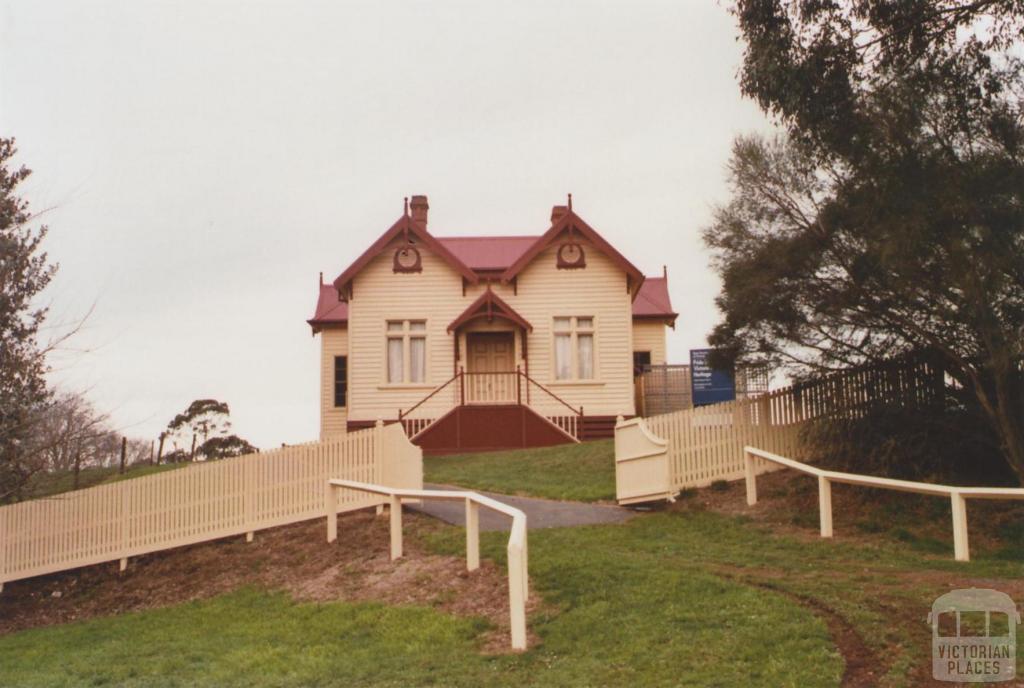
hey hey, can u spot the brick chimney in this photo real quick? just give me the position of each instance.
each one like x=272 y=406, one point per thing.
x=419 y=208
x=557 y=212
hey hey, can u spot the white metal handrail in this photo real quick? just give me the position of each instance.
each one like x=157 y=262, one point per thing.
x=518 y=576
x=957 y=495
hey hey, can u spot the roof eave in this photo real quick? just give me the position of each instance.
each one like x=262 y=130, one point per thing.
x=403 y=223
x=590 y=233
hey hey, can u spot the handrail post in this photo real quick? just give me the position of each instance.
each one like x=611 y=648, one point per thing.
x=751 y=478
x=825 y=506
x=396 y=526
x=330 y=506
x=472 y=535
x=462 y=387
x=961 y=548
x=516 y=598
x=519 y=394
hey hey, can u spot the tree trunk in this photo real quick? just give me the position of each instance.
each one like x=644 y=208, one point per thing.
x=124 y=451
x=160 y=451
x=78 y=466
x=1009 y=421
x=192 y=453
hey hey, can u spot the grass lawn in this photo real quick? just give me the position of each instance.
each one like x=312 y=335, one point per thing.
x=685 y=597
x=694 y=595
x=49 y=484
x=582 y=472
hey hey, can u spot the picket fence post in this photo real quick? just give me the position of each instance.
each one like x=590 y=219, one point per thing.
x=124 y=528
x=4 y=540
x=249 y=498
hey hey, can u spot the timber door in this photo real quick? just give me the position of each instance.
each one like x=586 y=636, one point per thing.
x=490 y=375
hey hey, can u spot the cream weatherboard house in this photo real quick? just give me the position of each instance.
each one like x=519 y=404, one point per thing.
x=487 y=342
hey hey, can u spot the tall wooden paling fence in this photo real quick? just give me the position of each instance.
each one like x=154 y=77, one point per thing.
x=200 y=502
x=660 y=455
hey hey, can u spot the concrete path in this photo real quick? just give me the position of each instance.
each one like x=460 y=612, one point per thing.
x=540 y=513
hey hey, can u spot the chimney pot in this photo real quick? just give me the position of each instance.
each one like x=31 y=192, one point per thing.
x=557 y=212
x=419 y=208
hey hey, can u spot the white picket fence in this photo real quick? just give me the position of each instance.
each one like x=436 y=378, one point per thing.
x=659 y=456
x=200 y=502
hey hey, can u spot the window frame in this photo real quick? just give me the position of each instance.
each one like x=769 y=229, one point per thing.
x=574 y=331
x=405 y=333
x=343 y=382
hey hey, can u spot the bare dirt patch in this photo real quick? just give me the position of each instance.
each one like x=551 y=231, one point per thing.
x=294 y=558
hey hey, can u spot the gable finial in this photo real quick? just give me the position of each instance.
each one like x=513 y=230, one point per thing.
x=570 y=203
x=321 y=278
x=405 y=210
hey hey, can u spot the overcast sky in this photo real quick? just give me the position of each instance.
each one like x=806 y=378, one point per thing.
x=204 y=161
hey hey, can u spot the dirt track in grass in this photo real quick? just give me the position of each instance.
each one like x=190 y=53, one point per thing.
x=788 y=506
x=295 y=558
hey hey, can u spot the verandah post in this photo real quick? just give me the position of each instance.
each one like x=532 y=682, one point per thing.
x=751 y=478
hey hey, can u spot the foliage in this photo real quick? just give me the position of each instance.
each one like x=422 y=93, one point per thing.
x=209 y=421
x=583 y=472
x=943 y=445
x=49 y=483
x=24 y=273
x=891 y=218
x=223 y=447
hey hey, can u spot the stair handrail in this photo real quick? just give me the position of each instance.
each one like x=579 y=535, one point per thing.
x=405 y=414
x=563 y=402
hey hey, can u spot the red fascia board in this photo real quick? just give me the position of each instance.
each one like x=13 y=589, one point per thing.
x=545 y=240
x=403 y=224
x=503 y=310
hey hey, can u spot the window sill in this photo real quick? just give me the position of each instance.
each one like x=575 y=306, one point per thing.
x=406 y=385
x=575 y=383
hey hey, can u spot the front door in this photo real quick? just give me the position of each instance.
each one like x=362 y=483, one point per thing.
x=490 y=373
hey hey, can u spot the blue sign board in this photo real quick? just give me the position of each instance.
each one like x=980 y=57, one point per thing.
x=709 y=385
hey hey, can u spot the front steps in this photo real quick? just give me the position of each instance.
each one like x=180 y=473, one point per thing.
x=480 y=428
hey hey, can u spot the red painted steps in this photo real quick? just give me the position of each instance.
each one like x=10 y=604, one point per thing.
x=480 y=428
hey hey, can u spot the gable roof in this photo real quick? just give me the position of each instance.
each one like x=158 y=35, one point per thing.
x=489 y=306
x=570 y=221
x=504 y=255
x=406 y=226
x=653 y=302
x=330 y=310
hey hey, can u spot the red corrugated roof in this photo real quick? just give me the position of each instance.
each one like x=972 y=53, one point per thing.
x=653 y=300
x=488 y=253
x=329 y=308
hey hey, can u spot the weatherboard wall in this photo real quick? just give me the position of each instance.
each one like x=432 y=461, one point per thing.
x=333 y=342
x=437 y=295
